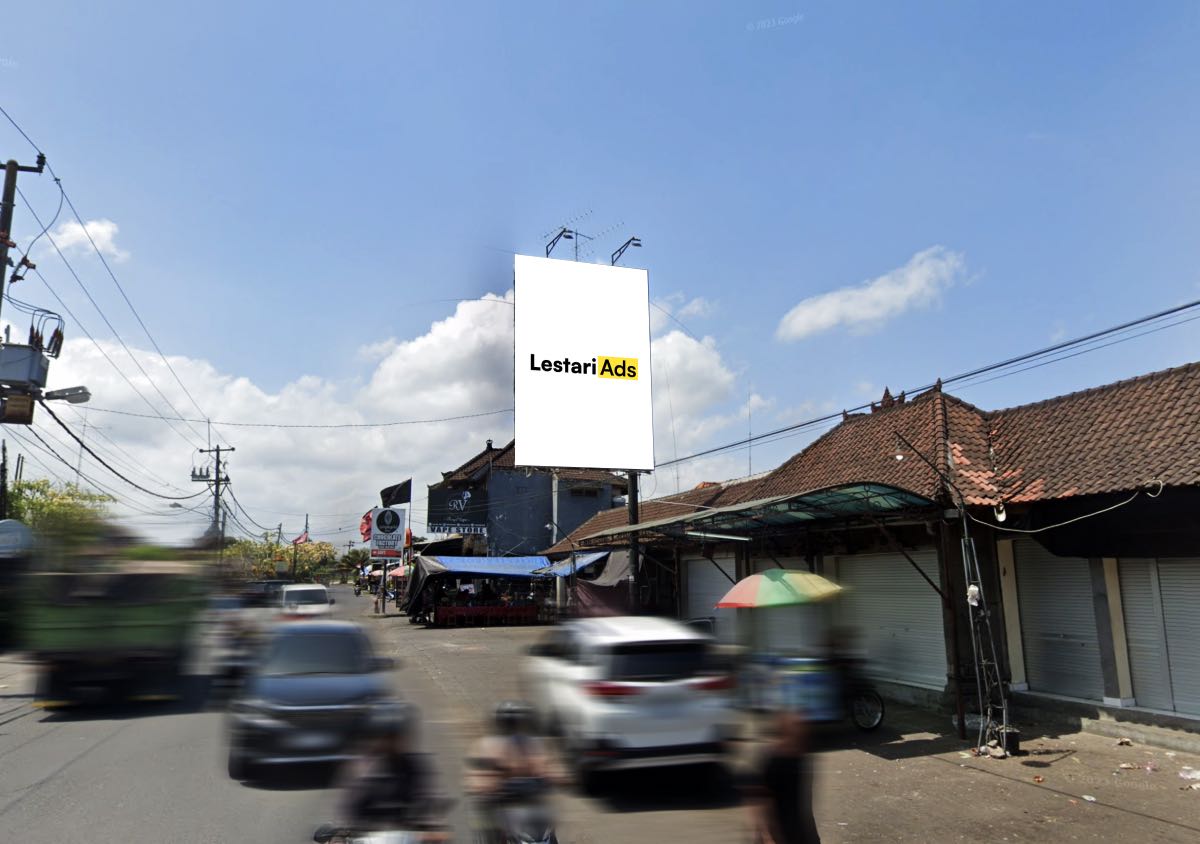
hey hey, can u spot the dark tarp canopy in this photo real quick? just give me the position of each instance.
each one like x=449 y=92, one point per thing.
x=427 y=567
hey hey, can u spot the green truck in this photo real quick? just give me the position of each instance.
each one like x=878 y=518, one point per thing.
x=109 y=628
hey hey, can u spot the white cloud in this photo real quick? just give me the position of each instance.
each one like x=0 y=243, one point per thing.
x=669 y=312
x=462 y=365
x=70 y=236
x=918 y=284
x=698 y=307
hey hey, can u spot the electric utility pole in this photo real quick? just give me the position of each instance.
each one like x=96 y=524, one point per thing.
x=216 y=478
x=7 y=203
x=3 y=479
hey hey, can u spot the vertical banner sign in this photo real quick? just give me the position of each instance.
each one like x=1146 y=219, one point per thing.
x=387 y=533
x=582 y=356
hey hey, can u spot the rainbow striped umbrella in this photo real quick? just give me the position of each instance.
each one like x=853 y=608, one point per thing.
x=779 y=588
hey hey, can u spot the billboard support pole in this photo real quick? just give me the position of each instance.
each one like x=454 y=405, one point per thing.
x=631 y=500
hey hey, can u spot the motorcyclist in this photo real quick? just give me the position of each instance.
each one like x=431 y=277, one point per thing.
x=512 y=752
x=391 y=786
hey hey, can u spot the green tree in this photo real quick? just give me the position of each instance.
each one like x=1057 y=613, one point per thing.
x=63 y=513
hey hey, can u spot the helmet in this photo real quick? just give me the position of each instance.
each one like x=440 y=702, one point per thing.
x=392 y=720
x=512 y=717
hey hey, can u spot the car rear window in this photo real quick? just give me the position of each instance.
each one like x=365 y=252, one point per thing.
x=658 y=661
x=306 y=596
x=317 y=653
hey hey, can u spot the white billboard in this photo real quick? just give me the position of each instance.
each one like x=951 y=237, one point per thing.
x=582 y=374
x=387 y=533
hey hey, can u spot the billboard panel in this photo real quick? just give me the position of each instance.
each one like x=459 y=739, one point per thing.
x=462 y=511
x=582 y=373
x=387 y=532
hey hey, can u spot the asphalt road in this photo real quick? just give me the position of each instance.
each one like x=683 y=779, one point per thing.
x=156 y=772
x=150 y=772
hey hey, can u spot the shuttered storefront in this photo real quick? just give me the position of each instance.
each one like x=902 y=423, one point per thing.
x=795 y=630
x=1161 y=601
x=896 y=614
x=1058 y=623
x=705 y=586
x=1145 y=635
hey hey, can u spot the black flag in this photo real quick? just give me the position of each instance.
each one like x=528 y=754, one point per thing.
x=398 y=494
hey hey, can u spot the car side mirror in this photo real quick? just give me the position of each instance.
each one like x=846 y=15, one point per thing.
x=385 y=663
x=333 y=600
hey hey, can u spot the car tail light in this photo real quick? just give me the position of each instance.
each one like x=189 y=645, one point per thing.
x=605 y=689
x=716 y=684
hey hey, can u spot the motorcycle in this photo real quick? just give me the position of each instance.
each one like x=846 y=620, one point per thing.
x=416 y=834
x=520 y=813
x=357 y=590
x=426 y=824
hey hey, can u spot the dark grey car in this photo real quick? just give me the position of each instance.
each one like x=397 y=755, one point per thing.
x=307 y=697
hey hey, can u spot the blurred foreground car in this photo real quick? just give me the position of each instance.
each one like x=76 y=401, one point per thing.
x=307 y=698
x=305 y=601
x=630 y=693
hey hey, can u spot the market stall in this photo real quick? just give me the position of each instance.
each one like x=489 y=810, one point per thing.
x=455 y=591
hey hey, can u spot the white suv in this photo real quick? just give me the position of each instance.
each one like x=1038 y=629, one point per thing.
x=630 y=693
x=305 y=601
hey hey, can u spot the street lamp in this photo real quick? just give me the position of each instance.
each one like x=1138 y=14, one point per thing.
x=563 y=234
x=633 y=241
x=71 y=395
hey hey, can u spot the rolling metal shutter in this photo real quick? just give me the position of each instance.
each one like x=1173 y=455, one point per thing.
x=1179 y=581
x=795 y=630
x=1145 y=635
x=1058 y=623
x=705 y=586
x=896 y=615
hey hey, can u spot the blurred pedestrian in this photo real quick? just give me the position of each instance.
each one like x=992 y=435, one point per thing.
x=782 y=797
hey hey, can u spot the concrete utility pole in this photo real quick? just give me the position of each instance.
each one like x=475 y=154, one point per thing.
x=7 y=203
x=3 y=479
x=217 y=478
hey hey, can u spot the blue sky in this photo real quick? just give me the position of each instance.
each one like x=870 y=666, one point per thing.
x=293 y=182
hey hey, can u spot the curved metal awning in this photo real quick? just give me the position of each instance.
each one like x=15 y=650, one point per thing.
x=862 y=500
x=573 y=564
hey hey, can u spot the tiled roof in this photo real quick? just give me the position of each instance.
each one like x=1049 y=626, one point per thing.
x=593 y=475
x=863 y=448
x=1115 y=438
x=503 y=458
x=1118 y=437
x=692 y=500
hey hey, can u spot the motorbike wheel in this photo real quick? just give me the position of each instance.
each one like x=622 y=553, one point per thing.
x=866 y=709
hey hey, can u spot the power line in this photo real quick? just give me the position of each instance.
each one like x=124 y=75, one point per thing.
x=117 y=497
x=79 y=219
x=243 y=509
x=106 y=355
x=103 y=316
x=107 y=466
x=149 y=473
x=332 y=425
x=124 y=296
x=770 y=436
x=105 y=490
